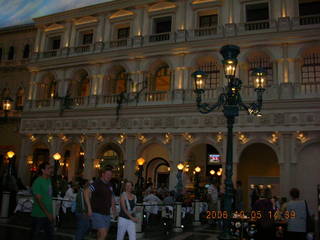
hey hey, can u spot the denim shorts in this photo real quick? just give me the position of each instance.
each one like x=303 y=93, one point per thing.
x=100 y=221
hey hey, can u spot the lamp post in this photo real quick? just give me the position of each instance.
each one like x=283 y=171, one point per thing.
x=231 y=102
x=140 y=162
x=11 y=163
x=179 y=186
x=56 y=157
x=197 y=180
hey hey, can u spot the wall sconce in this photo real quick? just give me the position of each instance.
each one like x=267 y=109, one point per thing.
x=142 y=138
x=219 y=137
x=186 y=169
x=243 y=138
x=121 y=138
x=61 y=164
x=100 y=138
x=274 y=138
x=188 y=137
x=29 y=160
x=97 y=164
x=169 y=169
x=64 y=138
x=302 y=137
x=81 y=153
x=167 y=138
x=212 y=172
x=82 y=139
x=219 y=173
x=32 y=138
x=50 y=137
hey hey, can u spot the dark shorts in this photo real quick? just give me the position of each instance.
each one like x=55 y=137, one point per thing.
x=100 y=221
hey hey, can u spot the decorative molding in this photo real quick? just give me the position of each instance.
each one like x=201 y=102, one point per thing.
x=162 y=6
x=121 y=13
x=85 y=20
x=53 y=27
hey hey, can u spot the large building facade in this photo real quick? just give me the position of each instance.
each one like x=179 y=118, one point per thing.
x=112 y=82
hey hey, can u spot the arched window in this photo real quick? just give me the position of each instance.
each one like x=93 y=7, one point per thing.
x=210 y=67
x=259 y=60
x=20 y=99
x=162 y=79
x=310 y=68
x=26 y=51
x=79 y=85
x=47 y=88
x=11 y=53
x=84 y=86
x=111 y=158
x=121 y=82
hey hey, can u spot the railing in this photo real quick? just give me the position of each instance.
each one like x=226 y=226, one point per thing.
x=42 y=103
x=307 y=89
x=201 y=32
x=80 y=101
x=160 y=37
x=82 y=48
x=158 y=96
x=51 y=53
x=119 y=43
x=311 y=19
x=110 y=99
x=257 y=25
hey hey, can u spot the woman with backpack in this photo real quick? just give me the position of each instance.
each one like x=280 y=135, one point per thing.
x=127 y=219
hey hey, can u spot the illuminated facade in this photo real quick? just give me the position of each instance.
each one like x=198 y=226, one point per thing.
x=84 y=60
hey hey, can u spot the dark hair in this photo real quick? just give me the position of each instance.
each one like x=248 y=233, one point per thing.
x=294 y=193
x=239 y=183
x=42 y=166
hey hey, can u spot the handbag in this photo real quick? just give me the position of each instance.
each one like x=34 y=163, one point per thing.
x=309 y=225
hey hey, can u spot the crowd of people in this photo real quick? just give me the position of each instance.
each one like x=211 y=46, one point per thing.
x=94 y=202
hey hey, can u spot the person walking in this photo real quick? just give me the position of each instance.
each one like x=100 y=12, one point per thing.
x=127 y=218
x=83 y=221
x=99 y=198
x=297 y=226
x=42 y=212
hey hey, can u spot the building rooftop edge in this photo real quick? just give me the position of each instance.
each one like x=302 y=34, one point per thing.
x=16 y=28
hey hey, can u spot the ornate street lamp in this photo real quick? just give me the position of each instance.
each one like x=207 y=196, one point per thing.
x=197 y=180
x=179 y=186
x=140 y=162
x=232 y=103
x=7 y=106
x=56 y=157
x=11 y=163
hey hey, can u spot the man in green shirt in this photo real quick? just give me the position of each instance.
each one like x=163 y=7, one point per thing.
x=42 y=217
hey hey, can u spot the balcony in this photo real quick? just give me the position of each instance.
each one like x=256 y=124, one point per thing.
x=122 y=43
x=160 y=37
x=50 y=54
x=312 y=19
x=258 y=25
x=83 y=49
x=179 y=96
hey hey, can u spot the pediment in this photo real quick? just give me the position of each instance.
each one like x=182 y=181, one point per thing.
x=86 y=19
x=162 y=6
x=53 y=26
x=203 y=1
x=121 y=13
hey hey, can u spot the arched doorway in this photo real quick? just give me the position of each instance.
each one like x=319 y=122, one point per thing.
x=308 y=160
x=40 y=154
x=111 y=156
x=158 y=169
x=72 y=162
x=258 y=166
x=208 y=158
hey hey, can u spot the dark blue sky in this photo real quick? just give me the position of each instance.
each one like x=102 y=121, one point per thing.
x=16 y=12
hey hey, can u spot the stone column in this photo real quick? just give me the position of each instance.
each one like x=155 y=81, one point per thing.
x=73 y=35
x=74 y=161
x=42 y=46
x=89 y=156
x=38 y=39
x=66 y=36
x=196 y=221
x=190 y=25
x=107 y=30
x=145 y=28
x=180 y=16
x=175 y=157
x=177 y=218
x=100 y=28
x=55 y=145
x=287 y=157
x=32 y=86
x=130 y=157
x=23 y=168
x=138 y=21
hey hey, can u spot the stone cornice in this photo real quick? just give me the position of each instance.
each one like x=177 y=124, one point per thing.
x=93 y=9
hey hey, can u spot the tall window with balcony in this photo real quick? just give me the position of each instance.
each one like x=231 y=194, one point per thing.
x=26 y=51
x=120 y=82
x=207 y=24
x=86 y=39
x=47 y=89
x=161 y=29
x=161 y=80
x=11 y=53
x=309 y=12
x=310 y=69
x=20 y=99
x=259 y=60
x=122 y=35
x=53 y=46
x=257 y=16
x=212 y=69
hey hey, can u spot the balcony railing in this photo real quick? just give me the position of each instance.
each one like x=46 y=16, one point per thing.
x=119 y=43
x=257 y=25
x=201 y=32
x=80 y=101
x=160 y=37
x=51 y=53
x=157 y=96
x=312 y=19
x=82 y=48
